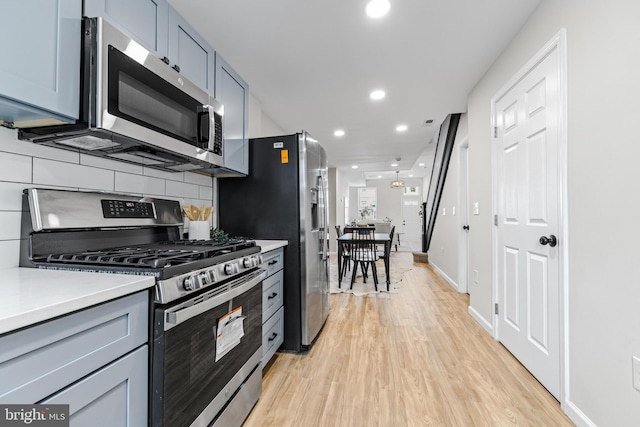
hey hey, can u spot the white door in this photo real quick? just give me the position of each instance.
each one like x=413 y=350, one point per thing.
x=528 y=180
x=411 y=223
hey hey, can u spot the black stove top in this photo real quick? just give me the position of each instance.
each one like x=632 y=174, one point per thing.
x=159 y=259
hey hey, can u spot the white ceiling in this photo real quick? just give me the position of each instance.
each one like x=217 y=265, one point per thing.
x=313 y=63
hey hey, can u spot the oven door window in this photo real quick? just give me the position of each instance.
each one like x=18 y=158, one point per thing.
x=142 y=97
x=191 y=375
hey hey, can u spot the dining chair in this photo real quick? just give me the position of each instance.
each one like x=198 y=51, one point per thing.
x=363 y=252
x=346 y=253
x=387 y=249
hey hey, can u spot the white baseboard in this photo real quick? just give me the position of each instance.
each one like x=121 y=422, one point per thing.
x=444 y=275
x=488 y=326
x=577 y=416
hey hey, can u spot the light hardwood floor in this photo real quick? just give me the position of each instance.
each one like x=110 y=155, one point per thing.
x=413 y=358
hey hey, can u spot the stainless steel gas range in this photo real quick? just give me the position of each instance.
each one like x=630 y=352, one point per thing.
x=207 y=313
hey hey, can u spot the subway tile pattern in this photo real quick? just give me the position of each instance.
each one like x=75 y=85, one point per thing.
x=24 y=164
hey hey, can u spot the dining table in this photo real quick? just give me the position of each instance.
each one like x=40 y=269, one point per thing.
x=378 y=239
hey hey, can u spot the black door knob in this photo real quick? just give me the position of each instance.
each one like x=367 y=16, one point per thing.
x=551 y=240
x=465 y=227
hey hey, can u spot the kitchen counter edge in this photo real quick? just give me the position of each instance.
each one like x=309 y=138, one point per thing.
x=32 y=295
x=269 y=245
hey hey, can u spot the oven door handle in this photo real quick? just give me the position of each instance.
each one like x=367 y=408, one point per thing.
x=185 y=311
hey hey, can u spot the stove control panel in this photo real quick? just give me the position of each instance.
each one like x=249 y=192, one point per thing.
x=200 y=280
x=126 y=209
x=176 y=287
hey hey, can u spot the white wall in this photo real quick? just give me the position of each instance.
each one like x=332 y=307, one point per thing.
x=444 y=250
x=260 y=124
x=24 y=164
x=603 y=202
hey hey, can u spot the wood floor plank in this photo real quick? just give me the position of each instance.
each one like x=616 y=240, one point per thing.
x=412 y=358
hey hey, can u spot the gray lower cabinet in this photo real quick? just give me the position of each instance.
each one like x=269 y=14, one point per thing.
x=114 y=396
x=95 y=360
x=272 y=304
x=40 y=72
x=233 y=92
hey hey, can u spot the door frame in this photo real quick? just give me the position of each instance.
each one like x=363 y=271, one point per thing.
x=559 y=43
x=463 y=216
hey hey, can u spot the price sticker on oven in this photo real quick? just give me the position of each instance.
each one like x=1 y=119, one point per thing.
x=229 y=331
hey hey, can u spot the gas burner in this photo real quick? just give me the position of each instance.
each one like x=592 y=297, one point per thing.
x=140 y=257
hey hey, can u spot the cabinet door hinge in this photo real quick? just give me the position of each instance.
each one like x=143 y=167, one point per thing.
x=495 y=219
x=495 y=131
x=496 y=308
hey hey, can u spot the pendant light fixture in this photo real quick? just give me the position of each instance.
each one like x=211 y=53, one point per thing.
x=397 y=183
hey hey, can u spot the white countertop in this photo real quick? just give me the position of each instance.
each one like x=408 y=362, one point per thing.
x=31 y=295
x=269 y=245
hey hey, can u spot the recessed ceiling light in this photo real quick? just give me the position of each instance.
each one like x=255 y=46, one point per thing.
x=339 y=132
x=401 y=128
x=377 y=8
x=420 y=164
x=354 y=167
x=377 y=94
x=394 y=164
x=410 y=176
x=379 y=176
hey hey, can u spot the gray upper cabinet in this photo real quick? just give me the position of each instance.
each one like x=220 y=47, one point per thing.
x=189 y=53
x=40 y=71
x=144 y=20
x=233 y=92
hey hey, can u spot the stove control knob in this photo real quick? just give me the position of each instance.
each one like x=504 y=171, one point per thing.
x=205 y=279
x=212 y=276
x=248 y=262
x=189 y=283
x=230 y=269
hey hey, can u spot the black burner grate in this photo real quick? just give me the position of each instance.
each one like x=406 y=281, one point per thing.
x=139 y=257
x=157 y=256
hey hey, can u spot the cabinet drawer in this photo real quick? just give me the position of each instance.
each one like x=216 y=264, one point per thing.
x=273 y=260
x=115 y=396
x=271 y=295
x=41 y=360
x=272 y=336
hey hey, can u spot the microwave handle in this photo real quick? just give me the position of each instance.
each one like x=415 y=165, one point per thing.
x=204 y=126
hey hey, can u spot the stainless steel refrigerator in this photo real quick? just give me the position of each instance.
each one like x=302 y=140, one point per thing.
x=284 y=197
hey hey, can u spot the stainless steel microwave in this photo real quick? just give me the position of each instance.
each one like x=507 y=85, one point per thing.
x=136 y=108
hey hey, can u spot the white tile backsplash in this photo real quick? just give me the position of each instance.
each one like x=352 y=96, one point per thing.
x=10 y=229
x=182 y=189
x=206 y=193
x=15 y=167
x=173 y=176
x=24 y=164
x=49 y=172
x=9 y=253
x=126 y=182
x=11 y=196
x=196 y=178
